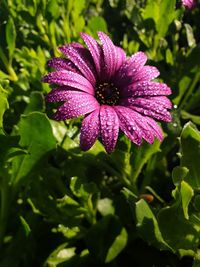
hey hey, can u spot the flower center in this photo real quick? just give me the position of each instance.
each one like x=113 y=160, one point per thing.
x=107 y=94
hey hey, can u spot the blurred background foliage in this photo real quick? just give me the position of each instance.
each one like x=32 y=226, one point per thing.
x=61 y=207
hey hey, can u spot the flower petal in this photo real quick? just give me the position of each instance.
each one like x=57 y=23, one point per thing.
x=156 y=130
x=146 y=73
x=90 y=130
x=161 y=100
x=61 y=94
x=59 y=63
x=128 y=125
x=146 y=89
x=121 y=57
x=95 y=51
x=109 y=127
x=147 y=133
x=130 y=68
x=150 y=108
x=71 y=79
x=109 y=53
x=77 y=104
x=56 y=95
x=81 y=58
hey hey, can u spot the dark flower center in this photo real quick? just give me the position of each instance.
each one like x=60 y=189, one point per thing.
x=107 y=94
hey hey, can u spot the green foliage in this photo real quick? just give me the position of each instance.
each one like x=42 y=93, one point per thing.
x=61 y=207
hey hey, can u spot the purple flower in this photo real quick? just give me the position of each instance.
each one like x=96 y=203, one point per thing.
x=189 y=3
x=111 y=90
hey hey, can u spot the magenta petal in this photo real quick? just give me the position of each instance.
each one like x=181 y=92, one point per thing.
x=95 y=51
x=62 y=64
x=128 y=125
x=109 y=127
x=80 y=56
x=129 y=68
x=189 y=3
x=147 y=133
x=109 y=53
x=121 y=57
x=162 y=101
x=78 y=104
x=146 y=89
x=137 y=60
x=71 y=79
x=133 y=64
x=147 y=73
x=56 y=95
x=64 y=93
x=156 y=130
x=150 y=108
x=90 y=130
x=143 y=128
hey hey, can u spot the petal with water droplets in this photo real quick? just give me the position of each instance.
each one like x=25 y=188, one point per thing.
x=156 y=130
x=90 y=130
x=109 y=54
x=121 y=57
x=109 y=127
x=81 y=58
x=138 y=123
x=146 y=89
x=150 y=108
x=129 y=68
x=161 y=100
x=77 y=104
x=95 y=51
x=69 y=78
x=56 y=95
x=59 y=63
x=128 y=125
x=146 y=73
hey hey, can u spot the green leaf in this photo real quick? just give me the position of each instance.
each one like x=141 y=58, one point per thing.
x=81 y=189
x=9 y=145
x=26 y=226
x=105 y=206
x=36 y=103
x=96 y=24
x=196 y=262
x=3 y=106
x=186 y=196
x=178 y=174
x=53 y=8
x=60 y=254
x=190 y=35
x=179 y=232
x=106 y=239
x=190 y=150
x=78 y=6
x=113 y=3
x=10 y=36
x=141 y=154
x=161 y=12
x=37 y=137
x=169 y=57
x=187 y=116
x=148 y=227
